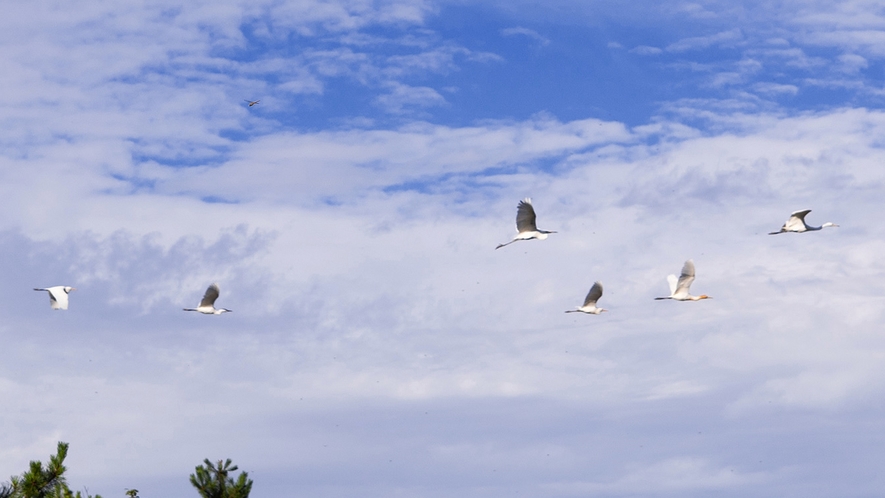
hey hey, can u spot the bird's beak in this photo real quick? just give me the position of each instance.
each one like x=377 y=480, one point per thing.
x=73 y=288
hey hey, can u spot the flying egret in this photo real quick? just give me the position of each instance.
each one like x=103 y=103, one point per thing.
x=252 y=102
x=525 y=224
x=207 y=305
x=796 y=223
x=679 y=288
x=590 y=301
x=58 y=296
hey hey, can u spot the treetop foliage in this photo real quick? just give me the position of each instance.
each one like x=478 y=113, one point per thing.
x=39 y=481
x=212 y=480
x=43 y=482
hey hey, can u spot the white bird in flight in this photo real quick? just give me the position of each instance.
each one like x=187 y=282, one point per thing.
x=796 y=223
x=679 y=287
x=590 y=301
x=525 y=224
x=207 y=305
x=58 y=296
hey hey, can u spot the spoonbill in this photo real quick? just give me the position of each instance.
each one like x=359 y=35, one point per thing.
x=590 y=301
x=207 y=305
x=252 y=102
x=525 y=224
x=796 y=223
x=58 y=296
x=679 y=288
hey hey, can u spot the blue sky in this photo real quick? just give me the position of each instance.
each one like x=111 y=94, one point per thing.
x=379 y=345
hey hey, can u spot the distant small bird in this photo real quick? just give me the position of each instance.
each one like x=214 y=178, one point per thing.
x=252 y=102
x=590 y=301
x=207 y=305
x=679 y=288
x=525 y=224
x=796 y=223
x=58 y=296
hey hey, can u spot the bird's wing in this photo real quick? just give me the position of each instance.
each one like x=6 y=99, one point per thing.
x=671 y=279
x=594 y=294
x=525 y=217
x=686 y=278
x=797 y=220
x=58 y=298
x=210 y=296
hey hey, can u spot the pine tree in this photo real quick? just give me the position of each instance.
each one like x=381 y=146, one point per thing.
x=212 y=481
x=40 y=482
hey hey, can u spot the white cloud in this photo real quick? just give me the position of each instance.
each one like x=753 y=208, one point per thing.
x=645 y=50
x=519 y=30
x=699 y=42
x=853 y=63
x=402 y=97
x=769 y=88
x=399 y=297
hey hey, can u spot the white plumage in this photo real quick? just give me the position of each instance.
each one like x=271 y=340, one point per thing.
x=679 y=286
x=58 y=296
x=525 y=224
x=796 y=223
x=207 y=305
x=590 y=301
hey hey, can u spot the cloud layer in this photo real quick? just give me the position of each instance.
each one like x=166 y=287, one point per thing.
x=379 y=345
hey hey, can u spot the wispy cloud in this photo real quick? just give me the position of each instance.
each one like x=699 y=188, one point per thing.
x=775 y=88
x=700 y=42
x=645 y=50
x=400 y=98
x=530 y=33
